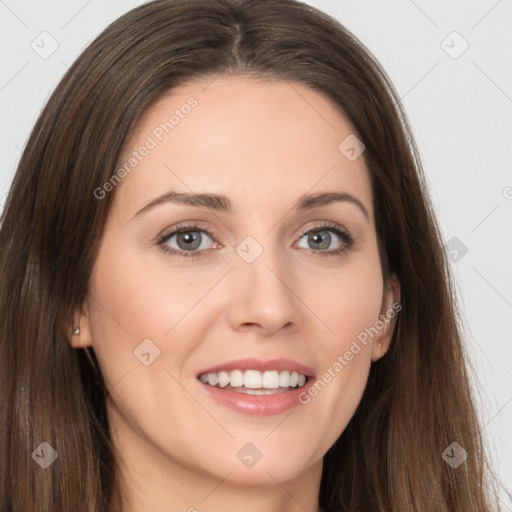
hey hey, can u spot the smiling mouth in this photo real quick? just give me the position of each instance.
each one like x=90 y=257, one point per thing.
x=254 y=382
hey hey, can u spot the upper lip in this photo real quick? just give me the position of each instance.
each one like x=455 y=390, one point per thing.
x=261 y=365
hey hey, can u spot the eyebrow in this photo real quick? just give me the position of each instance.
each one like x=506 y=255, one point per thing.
x=222 y=203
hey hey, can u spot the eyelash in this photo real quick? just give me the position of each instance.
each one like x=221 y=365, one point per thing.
x=340 y=232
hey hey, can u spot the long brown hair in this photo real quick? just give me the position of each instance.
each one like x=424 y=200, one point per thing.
x=418 y=398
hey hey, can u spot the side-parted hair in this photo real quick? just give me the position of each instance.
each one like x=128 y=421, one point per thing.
x=418 y=399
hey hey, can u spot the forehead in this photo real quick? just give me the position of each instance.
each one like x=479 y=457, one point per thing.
x=249 y=139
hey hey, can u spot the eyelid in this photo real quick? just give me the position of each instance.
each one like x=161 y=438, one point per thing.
x=188 y=225
x=318 y=225
x=341 y=232
x=345 y=236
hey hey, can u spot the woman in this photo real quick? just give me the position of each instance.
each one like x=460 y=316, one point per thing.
x=223 y=286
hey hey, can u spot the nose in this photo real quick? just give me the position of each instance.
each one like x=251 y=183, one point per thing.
x=265 y=295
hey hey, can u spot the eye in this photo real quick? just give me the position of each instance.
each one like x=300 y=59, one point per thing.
x=190 y=241
x=320 y=240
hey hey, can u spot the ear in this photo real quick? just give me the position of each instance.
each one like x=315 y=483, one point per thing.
x=387 y=317
x=80 y=336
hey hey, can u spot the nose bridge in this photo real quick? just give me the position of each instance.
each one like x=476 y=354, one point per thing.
x=263 y=286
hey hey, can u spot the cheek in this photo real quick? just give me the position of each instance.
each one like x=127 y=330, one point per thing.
x=142 y=306
x=350 y=301
x=138 y=322
x=131 y=311
x=135 y=299
x=350 y=307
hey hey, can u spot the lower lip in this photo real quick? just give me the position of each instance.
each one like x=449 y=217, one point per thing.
x=258 y=405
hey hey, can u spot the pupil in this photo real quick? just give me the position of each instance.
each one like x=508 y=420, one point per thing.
x=318 y=238
x=191 y=240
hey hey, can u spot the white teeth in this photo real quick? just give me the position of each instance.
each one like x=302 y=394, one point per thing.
x=236 y=378
x=261 y=391
x=213 y=379
x=284 y=379
x=270 y=380
x=254 y=380
x=223 y=379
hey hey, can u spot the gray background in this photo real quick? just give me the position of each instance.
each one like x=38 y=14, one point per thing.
x=460 y=110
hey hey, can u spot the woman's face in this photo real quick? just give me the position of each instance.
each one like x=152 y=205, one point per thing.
x=286 y=279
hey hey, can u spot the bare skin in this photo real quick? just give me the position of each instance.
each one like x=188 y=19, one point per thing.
x=263 y=145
